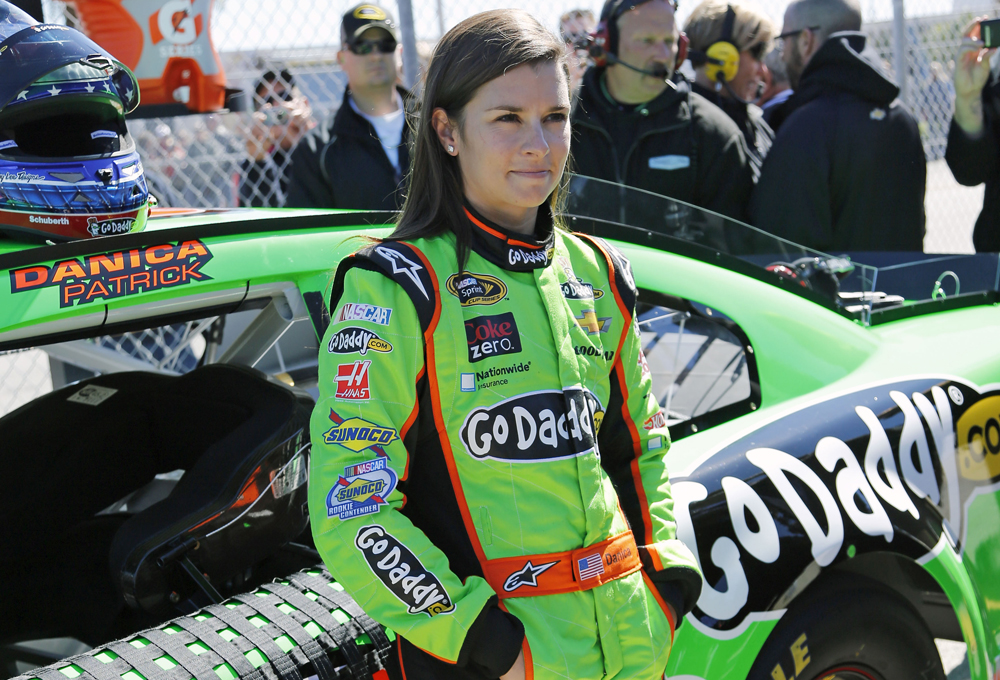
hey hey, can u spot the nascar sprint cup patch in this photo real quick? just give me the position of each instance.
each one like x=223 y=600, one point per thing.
x=402 y=573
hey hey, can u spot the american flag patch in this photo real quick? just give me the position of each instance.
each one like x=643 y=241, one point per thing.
x=590 y=566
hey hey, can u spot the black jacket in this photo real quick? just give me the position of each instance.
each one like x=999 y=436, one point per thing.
x=345 y=166
x=750 y=120
x=678 y=145
x=847 y=168
x=974 y=161
x=264 y=183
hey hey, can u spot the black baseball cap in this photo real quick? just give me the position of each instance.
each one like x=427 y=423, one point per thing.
x=360 y=18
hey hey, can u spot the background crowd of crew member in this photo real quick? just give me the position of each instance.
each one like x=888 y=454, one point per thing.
x=803 y=135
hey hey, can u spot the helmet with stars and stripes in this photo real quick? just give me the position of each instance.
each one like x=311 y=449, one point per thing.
x=68 y=167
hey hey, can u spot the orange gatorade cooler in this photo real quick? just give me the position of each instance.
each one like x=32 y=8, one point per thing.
x=166 y=43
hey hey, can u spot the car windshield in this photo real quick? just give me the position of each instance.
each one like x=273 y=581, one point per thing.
x=857 y=283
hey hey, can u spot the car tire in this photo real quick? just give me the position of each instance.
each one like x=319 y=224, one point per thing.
x=849 y=628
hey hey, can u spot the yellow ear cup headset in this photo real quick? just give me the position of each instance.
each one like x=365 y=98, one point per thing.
x=722 y=58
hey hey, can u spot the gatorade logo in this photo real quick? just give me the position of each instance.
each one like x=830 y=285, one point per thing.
x=177 y=22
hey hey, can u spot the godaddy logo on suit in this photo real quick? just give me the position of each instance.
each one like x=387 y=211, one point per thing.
x=543 y=425
x=402 y=573
x=353 y=339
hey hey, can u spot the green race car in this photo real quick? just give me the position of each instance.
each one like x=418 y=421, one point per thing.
x=834 y=465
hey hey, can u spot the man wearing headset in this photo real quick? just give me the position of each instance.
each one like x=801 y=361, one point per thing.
x=633 y=125
x=728 y=44
x=847 y=170
x=359 y=162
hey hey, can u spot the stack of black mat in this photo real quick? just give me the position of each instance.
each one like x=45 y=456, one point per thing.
x=300 y=628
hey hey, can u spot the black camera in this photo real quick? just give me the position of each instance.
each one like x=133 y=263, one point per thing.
x=989 y=32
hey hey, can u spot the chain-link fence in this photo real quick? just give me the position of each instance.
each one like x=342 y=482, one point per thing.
x=219 y=160
x=216 y=159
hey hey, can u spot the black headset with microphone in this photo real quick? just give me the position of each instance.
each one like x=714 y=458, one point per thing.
x=602 y=44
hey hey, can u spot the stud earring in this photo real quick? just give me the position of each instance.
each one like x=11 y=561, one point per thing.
x=451 y=149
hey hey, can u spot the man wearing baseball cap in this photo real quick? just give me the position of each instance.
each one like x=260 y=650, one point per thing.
x=360 y=161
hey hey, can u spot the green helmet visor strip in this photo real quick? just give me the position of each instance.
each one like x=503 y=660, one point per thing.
x=332 y=629
x=45 y=51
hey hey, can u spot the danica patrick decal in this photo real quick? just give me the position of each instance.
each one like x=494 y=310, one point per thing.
x=398 y=568
x=362 y=490
x=872 y=470
x=115 y=274
x=358 y=434
x=543 y=425
x=476 y=289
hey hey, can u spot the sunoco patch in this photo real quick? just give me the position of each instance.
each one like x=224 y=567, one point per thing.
x=362 y=490
x=358 y=434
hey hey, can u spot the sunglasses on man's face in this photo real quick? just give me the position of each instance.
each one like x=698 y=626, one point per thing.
x=278 y=97
x=363 y=47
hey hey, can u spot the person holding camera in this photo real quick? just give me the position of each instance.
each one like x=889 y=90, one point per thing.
x=281 y=118
x=973 y=153
x=360 y=161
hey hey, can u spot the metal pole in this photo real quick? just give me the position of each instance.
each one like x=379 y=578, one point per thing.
x=440 y=9
x=899 y=62
x=411 y=63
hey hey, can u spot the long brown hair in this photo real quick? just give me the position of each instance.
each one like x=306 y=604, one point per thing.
x=471 y=54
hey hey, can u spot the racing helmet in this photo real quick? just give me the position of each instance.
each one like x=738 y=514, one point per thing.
x=68 y=167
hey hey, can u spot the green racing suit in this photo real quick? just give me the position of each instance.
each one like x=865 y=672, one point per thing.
x=497 y=420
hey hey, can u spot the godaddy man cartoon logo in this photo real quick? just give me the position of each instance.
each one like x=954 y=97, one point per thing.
x=109 y=227
x=111 y=275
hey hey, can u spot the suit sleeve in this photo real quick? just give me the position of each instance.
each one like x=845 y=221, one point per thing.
x=307 y=186
x=792 y=197
x=370 y=365
x=633 y=440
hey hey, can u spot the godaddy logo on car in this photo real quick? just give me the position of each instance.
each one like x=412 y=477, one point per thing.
x=544 y=425
x=353 y=339
x=402 y=573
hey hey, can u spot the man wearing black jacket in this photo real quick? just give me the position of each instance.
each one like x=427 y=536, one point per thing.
x=973 y=152
x=360 y=161
x=636 y=127
x=847 y=169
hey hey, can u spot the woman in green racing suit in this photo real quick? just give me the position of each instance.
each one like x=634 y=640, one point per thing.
x=488 y=477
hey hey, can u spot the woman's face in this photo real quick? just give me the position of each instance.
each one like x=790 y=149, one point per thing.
x=513 y=143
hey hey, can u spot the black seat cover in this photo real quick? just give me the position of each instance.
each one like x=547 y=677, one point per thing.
x=67 y=461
